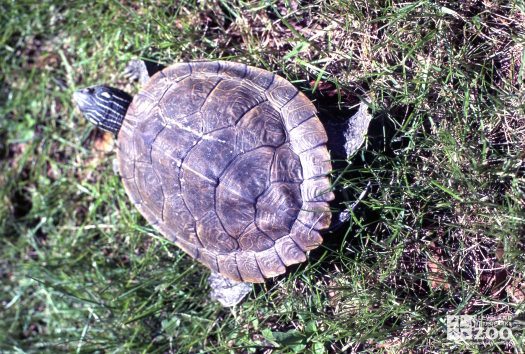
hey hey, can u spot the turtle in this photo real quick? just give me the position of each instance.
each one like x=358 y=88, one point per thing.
x=227 y=160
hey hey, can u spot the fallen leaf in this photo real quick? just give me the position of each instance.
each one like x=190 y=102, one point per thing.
x=516 y=291
x=104 y=142
x=437 y=277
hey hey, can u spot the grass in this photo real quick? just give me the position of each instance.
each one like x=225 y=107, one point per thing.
x=440 y=232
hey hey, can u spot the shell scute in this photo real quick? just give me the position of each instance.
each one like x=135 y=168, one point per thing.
x=284 y=198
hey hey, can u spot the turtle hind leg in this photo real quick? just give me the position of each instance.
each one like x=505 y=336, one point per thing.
x=141 y=70
x=342 y=217
x=226 y=291
x=345 y=137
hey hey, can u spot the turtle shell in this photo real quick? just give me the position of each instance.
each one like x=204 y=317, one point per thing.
x=229 y=162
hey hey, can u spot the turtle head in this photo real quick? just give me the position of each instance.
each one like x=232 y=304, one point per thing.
x=103 y=106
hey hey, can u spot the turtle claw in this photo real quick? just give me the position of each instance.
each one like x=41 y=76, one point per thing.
x=226 y=291
x=136 y=71
x=345 y=215
x=141 y=70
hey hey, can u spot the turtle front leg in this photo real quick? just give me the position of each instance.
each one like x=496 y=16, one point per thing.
x=226 y=291
x=141 y=70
